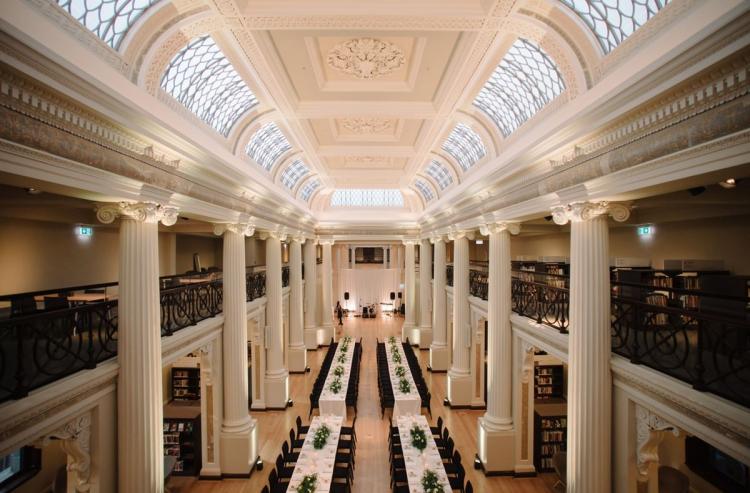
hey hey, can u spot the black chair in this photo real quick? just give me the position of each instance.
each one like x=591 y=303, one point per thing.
x=294 y=442
x=437 y=431
x=301 y=430
x=55 y=303
x=469 y=488
x=457 y=481
x=289 y=456
x=25 y=305
x=284 y=471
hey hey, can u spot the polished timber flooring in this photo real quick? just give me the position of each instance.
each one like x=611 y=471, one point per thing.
x=372 y=473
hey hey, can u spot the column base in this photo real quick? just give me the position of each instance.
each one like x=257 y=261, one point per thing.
x=496 y=449
x=311 y=338
x=459 y=388
x=440 y=358
x=425 y=337
x=407 y=332
x=239 y=450
x=297 y=359
x=277 y=390
x=325 y=334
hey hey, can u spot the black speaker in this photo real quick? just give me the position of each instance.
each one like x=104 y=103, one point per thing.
x=399 y=295
x=346 y=295
x=393 y=295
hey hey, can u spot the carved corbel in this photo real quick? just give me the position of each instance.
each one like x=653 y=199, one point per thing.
x=75 y=441
x=650 y=431
x=527 y=363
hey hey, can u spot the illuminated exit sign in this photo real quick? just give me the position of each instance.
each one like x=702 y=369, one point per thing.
x=645 y=230
x=85 y=231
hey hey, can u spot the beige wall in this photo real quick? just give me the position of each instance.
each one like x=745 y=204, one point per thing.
x=721 y=238
x=52 y=459
x=255 y=251
x=209 y=248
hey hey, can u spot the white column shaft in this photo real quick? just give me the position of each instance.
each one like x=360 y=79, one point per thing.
x=311 y=285
x=327 y=291
x=461 y=329
x=274 y=317
x=139 y=389
x=425 y=274
x=296 y=326
x=410 y=285
x=590 y=383
x=439 y=333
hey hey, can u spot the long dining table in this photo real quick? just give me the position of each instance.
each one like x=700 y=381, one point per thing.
x=405 y=403
x=319 y=462
x=330 y=402
x=418 y=462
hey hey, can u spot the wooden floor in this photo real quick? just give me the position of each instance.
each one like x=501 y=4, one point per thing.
x=372 y=473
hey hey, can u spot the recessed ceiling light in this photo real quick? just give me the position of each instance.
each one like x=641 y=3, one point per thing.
x=728 y=183
x=33 y=191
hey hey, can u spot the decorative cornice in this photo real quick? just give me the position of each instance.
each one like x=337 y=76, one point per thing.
x=366 y=58
x=147 y=212
x=584 y=211
x=244 y=229
x=369 y=22
x=492 y=228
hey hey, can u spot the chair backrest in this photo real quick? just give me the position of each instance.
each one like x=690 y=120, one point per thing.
x=440 y=424
x=299 y=424
x=456 y=457
x=469 y=488
x=273 y=478
x=55 y=303
x=265 y=490
x=22 y=306
x=291 y=436
x=280 y=462
x=285 y=449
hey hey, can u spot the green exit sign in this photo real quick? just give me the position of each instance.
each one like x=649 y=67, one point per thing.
x=85 y=231
x=645 y=230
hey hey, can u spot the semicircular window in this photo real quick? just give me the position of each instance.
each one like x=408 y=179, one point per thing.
x=439 y=173
x=308 y=189
x=201 y=78
x=424 y=189
x=522 y=84
x=613 y=21
x=465 y=145
x=291 y=175
x=367 y=197
x=110 y=20
x=267 y=145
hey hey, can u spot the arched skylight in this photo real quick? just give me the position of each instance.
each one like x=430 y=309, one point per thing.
x=202 y=79
x=424 y=189
x=309 y=188
x=267 y=145
x=291 y=175
x=440 y=173
x=522 y=84
x=465 y=146
x=108 y=19
x=367 y=197
x=614 y=20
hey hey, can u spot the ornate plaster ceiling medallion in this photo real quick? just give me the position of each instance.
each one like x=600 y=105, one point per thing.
x=363 y=126
x=366 y=58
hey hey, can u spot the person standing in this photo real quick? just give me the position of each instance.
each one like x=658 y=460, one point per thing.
x=340 y=313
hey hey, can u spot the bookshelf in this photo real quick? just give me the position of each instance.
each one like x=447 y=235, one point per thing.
x=548 y=382
x=550 y=434
x=182 y=438
x=186 y=384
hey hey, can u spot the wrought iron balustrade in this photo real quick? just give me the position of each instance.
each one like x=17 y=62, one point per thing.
x=449 y=275
x=544 y=303
x=255 y=284
x=285 y=276
x=187 y=305
x=478 y=284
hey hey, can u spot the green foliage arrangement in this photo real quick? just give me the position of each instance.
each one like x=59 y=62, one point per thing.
x=321 y=437
x=400 y=371
x=338 y=371
x=335 y=386
x=418 y=438
x=404 y=386
x=430 y=482
x=309 y=484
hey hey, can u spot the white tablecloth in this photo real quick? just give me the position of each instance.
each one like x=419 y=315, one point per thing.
x=404 y=403
x=335 y=404
x=320 y=462
x=418 y=462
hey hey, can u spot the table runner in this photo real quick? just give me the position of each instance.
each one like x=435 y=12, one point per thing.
x=418 y=462
x=329 y=402
x=405 y=403
x=320 y=462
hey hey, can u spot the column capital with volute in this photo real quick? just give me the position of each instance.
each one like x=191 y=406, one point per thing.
x=410 y=241
x=244 y=229
x=148 y=212
x=457 y=234
x=491 y=228
x=326 y=241
x=435 y=238
x=584 y=211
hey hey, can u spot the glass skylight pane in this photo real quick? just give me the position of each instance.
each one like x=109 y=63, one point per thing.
x=522 y=84
x=108 y=19
x=202 y=79
x=367 y=197
x=309 y=188
x=440 y=173
x=291 y=175
x=465 y=146
x=424 y=189
x=267 y=145
x=613 y=21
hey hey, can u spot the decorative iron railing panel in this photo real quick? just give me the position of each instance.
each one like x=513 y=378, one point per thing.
x=40 y=348
x=546 y=304
x=285 y=276
x=255 y=283
x=449 y=275
x=187 y=305
x=478 y=284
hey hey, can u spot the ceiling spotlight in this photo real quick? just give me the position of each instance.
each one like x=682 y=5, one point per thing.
x=695 y=191
x=33 y=191
x=728 y=183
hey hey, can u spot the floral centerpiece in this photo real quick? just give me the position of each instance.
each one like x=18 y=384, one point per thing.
x=392 y=340
x=418 y=438
x=308 y=484
x=338 y=371
x=335 y=386
x=431 y=483
x=400 y=371
x=321 y=437
x=341 y=358
x=396 y=357
x=403 y=386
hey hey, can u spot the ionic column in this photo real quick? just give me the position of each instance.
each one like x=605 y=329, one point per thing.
x=589 y=380
x=410 y=294
x=239 y=447
x=440 y=354
x=139 y=383
x=496 y=426
x=459 y=376
x=425 y=298
x=326 y=329
x=277 y=376
x=297 y=349
x=311 y=295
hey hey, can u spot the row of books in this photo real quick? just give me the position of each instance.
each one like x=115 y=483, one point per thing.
x=178 y=426
x=548 y=450
x=553 y=435
x=559 y=422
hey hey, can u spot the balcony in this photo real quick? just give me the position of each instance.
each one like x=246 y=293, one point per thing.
x=38 y=347
x=708 y=350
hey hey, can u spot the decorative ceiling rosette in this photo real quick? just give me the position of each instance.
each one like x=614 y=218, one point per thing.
x=366 y=58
